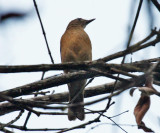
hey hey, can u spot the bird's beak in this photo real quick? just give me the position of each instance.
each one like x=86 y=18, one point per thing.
x=88 y=21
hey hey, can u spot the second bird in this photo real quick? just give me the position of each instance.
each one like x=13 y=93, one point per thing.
x=75 y=47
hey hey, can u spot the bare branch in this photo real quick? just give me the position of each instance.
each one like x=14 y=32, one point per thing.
x=49 y=52
x=89 y=92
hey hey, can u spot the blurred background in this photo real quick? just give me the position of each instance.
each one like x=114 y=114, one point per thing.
x=22 y=43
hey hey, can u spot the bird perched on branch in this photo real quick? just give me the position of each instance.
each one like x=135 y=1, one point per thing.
x=75 y=47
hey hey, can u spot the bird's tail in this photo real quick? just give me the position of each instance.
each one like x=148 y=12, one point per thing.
x=77 y=111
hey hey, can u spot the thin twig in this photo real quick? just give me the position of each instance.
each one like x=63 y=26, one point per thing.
x=27 y=119
x=102 y=114
x=18 y=104
x=32 y=129
x=157 y=5
x=14 y=120
x=133 y=27
x=5 y=130
x=119 y=114
x=131 y=125
x=80 y=126
x=134 y=48
x=130 y=38
x=43 y=31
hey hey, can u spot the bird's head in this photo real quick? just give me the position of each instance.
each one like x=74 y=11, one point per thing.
x=79 y=22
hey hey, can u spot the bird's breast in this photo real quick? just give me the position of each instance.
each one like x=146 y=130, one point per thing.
x=75 y=46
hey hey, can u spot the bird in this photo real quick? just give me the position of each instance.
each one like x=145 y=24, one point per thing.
x=75 y=46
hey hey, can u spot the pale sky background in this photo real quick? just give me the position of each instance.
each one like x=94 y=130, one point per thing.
x=22 y=43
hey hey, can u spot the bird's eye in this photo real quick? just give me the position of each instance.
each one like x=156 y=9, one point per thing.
x=79 y=19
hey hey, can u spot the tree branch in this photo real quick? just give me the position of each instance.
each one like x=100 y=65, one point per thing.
x=89 y=92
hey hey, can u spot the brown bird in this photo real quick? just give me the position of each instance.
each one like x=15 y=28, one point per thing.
x=75 y=47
